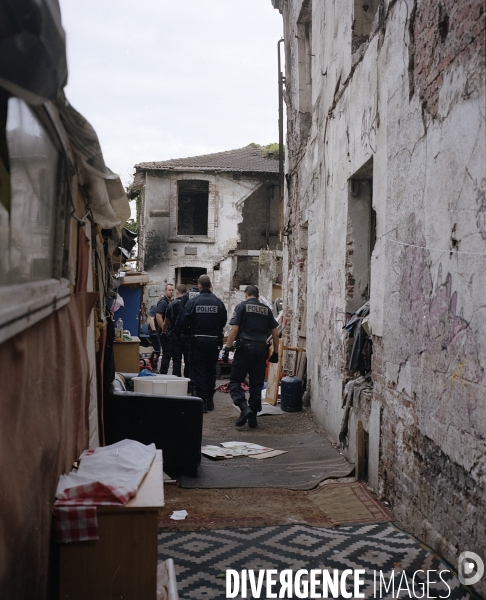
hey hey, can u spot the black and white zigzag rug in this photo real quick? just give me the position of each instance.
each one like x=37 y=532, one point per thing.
x=202 y=558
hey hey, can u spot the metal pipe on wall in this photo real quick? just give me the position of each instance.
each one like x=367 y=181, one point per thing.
x=281 y=81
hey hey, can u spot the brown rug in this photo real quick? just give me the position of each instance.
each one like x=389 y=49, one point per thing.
x=330 y=505
x=233 y=508
x=349 y=503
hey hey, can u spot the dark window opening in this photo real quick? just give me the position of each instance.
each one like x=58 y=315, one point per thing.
x=360 y=242
x=362 y=453
x=246 y=272
x=364 y=15
x=192 y=207
x=189 y=275
x=360 y=238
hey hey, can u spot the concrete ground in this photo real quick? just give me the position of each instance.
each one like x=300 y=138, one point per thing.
x=244 y=506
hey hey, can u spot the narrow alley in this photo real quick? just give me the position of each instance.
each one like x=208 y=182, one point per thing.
x=242 y=315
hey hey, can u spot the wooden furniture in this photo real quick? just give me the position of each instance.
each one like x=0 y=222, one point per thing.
x=122 y=563
x=127 y=356
x=275 y=371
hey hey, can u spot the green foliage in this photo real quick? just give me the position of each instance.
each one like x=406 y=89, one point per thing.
x=132 y=225
x=269 y=150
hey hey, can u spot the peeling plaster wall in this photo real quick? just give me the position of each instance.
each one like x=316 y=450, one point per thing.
x=237 y=215
x=413 y=99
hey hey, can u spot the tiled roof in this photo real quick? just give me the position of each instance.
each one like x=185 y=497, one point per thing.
x=242 y=160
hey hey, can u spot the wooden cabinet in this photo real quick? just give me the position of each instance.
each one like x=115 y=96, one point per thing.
x=122 y=563
x=127 y=356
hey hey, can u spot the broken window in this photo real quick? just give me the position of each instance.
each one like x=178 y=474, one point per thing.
x=246 y=272
x=192 y=207
x=189 y=275
x=364 y=15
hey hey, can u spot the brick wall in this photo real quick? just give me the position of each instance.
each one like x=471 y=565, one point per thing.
x=428 y=492
x=441 y=34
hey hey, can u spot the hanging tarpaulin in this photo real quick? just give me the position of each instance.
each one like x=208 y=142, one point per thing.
x=107 y=197
x=33 y=62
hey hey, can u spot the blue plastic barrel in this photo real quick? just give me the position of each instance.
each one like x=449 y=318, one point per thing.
x=291 y=394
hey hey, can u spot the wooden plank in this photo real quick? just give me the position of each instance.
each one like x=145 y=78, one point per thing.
x=301 y=366
x=273 y=377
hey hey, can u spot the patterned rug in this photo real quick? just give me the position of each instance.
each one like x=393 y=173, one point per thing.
x=349 y=503
x=329 y=505
x=201 y=558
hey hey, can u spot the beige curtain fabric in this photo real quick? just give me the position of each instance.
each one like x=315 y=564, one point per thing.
x=44 y=416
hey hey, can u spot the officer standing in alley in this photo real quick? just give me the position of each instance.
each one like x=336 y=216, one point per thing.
x=154 y=331
x=250 y=325
x=161 y=311
x=170 y=326
x=204 y=317
x=185 y=339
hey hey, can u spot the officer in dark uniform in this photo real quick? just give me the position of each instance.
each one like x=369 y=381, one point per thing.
x=154 y=330
x=250 y=324
x=161 y=312
x=189 y=295
x=184 y=337
x=170 y=324
x=204 y=317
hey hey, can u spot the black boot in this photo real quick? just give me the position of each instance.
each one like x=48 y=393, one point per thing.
x=210 y=404
x=252 y=420
x=205 y=405
x=245 y=413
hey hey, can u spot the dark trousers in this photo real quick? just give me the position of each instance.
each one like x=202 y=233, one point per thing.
x=249 y=360
x=204 y=356
x=166 y=353
x=177 y=350
x=186 y=351
x=155 y=342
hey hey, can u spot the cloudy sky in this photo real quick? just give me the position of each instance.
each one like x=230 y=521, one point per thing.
x=162 y=79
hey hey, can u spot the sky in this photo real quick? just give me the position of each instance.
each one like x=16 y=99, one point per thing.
x=161 y=79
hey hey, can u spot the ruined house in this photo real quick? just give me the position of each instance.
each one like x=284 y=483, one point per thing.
x=385 y=201
x=216 y=214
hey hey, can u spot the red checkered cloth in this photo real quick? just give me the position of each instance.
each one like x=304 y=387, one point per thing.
x=75 y=523
x=75 y=517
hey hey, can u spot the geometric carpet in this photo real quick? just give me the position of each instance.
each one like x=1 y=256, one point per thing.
x=202 y=557
x=309 y=459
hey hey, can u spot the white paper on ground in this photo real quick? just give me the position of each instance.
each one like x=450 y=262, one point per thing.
x=179 y=515
x=123 y=464
x=234 y=449
x=268 y=454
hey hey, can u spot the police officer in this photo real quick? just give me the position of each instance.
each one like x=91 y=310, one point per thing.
x=185 y=339
x=204 y=316
x=160 y=314
x=170 y=324
x=154 y=331
x=189 y=295
x=250 y=325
